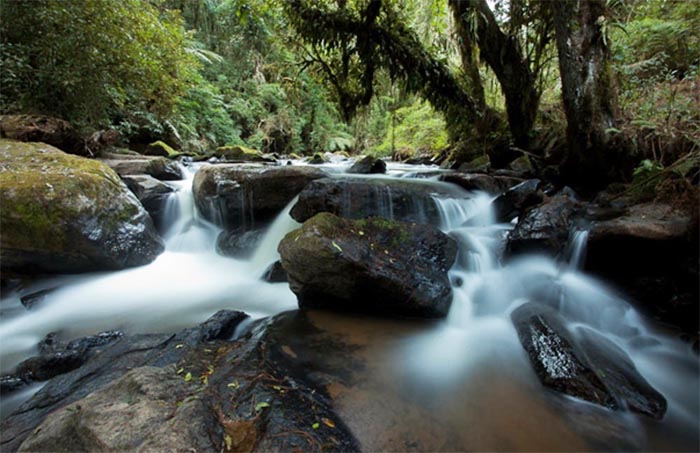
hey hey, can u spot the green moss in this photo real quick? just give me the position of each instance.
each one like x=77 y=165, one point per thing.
x=42 y=188
x=238 y=152
x=161 y=148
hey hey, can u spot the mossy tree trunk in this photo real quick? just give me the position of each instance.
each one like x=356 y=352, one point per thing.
x=587 y=92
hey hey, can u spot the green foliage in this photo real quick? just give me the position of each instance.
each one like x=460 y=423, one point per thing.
x=90 y=60
x=418 y=130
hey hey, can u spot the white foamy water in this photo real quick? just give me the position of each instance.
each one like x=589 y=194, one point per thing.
x=183 y=286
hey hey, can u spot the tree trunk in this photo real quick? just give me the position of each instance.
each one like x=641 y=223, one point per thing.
x=588 y=96
x=503 y=55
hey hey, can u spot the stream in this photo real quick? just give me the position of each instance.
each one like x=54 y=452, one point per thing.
x=468 y=370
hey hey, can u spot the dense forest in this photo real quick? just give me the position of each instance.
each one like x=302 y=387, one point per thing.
x=349 y=225
x=602 y=92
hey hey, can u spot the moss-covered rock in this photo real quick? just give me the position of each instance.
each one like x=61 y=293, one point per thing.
x=317 y=159
x=239 y=153
x=160 y=148
x=45 y=129
x=372 y=265
x=62 y=213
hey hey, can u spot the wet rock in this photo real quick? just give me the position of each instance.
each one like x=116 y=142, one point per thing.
x=517 y=199
x=57 y=358
x=493 y=185
x=39 y=128
x=65 y=214
x=245 y=395
x=368 y=165
x=651 y=252
x=112 y=362
x=31 y=301
x=583 y=364
x=620 y=375
x=248 y=196
x=158 y=167
x=372 y=266
x=239 y=243
x=144 y=409
x=358 y=198
x=554 y=356
x=545 y=228
x=152 y=194
x=10 y=383
x=275 y=273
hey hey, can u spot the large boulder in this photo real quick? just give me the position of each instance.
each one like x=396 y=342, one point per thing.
x=247 y=196
x=586 y=365
x=158 y=167
x=372 y=265
x=359 y=198
x=152 y=194
x=39 y=128
x=63 y=213
x=160 y=148
x=368 y=165
x=651 y=251
x=545 y=228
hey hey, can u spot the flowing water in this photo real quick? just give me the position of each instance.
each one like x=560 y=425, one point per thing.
x=467 y=366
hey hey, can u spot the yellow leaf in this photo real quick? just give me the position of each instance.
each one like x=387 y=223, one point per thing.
x=188 y=377
x=228 y=441
x=328 y=422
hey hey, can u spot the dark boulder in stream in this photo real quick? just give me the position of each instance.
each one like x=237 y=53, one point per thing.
x=583 y=363
x=63 y=213
x=193 y=390
x=483 y=182
x=247 y=196
x=372 y=266
x=368 y=165
x=517 y=199
x=545 y=228
x=359 y=198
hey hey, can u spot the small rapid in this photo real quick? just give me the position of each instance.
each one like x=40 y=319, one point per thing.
x=183 y=286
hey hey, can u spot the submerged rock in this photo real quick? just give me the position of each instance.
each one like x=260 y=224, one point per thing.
x=152 y=194
x=586 y=366
x=372 y=265
x=39 y=128
x=248 y=196
x=368 y=165
x=63 y=213
x=545 y=228
x=359 y=198
x=239 y=243
x=158 y=167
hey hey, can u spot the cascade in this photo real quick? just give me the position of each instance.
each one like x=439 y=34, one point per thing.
x=190 y=281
